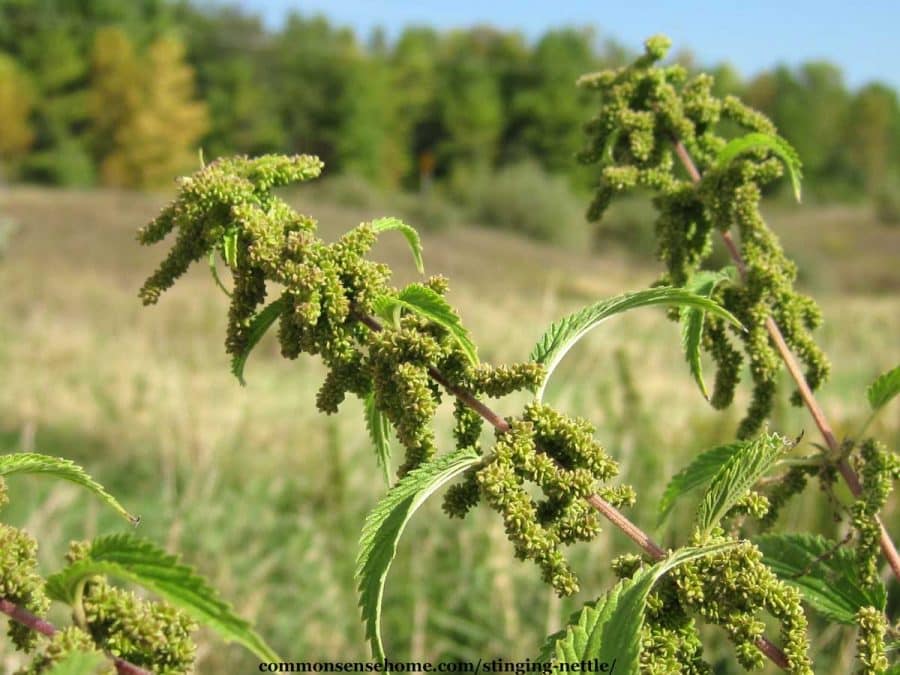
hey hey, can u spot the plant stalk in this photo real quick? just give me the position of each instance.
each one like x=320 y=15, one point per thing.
x=809 y=399
x=607 y=510
x=39 y=625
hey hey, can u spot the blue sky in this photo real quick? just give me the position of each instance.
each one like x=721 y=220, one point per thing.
x=752 y=35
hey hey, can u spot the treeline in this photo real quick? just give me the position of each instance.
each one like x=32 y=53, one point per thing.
x=124 y=93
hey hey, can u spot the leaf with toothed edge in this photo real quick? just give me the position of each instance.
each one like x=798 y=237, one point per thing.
x=259 y=324
x=430 y=304
x=408 y=232
x=35 y=463
x=565 y=333
x=378 y=427
x=774 y=144
x=737 y=476
x=385 y=524
x=702 y=283
x=609 y=629
x=699 y=472
x=884 y=388
x=142 y=562
x=825 y=572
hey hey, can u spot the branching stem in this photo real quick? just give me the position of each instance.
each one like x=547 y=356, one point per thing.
x=809 y=399
x=46 y=628
x=607 y=510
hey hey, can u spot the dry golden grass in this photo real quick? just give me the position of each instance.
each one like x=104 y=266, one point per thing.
x=266 y=496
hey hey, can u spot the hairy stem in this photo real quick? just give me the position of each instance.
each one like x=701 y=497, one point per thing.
x=809 y=399
x=607 y=510
x=43 y=627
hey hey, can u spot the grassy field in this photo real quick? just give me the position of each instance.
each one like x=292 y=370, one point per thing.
x=266 y=496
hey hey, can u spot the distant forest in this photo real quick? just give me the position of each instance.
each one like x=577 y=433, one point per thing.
x=102 y=92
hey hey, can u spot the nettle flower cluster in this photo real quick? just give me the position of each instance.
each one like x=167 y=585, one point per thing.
x=109 y=621
x=732 y=589
x=329 y=293
x=879 y=468
x=646 y=108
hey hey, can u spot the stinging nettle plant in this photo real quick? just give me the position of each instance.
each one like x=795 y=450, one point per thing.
x=112 y=630
x=402 y=350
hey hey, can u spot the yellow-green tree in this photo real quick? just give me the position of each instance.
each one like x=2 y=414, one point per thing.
x=16 y=134
x=145 y=110
x=872 y=127
x=115 y=98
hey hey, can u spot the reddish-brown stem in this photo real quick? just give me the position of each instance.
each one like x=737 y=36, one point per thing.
x=636 y=534
x=809 y=399
x=607 y=510
x=39 y=625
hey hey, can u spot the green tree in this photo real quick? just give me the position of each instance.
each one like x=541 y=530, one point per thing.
x=412 y=70
x=547 y=115
x=59 y=70
x=470 y=98
x=231 y=52
x=17 y=135
x=871 y=134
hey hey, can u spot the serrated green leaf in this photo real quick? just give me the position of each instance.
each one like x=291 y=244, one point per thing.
x=230 y=248
x=699 y=472
x=585 y=628
x=379 y=428
x=702 y=283
x=565 y=333
x=258 y=327
x=610 y=628
x=385 y=524
x=215 y=273
x=32 y=462
x=408 y=232
x=426 y=302
x=774 y=144
x=77 y=663
x=884 y=388
x=737 y=476
x=142 y=562
x=825 y=573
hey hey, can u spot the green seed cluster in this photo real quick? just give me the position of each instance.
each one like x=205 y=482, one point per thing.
x=752 y=503
x=327 y=293
x=20 y=582
x=645 y=108
x=559 y=455
x=150 y=634
x=326 y=289
x=732 y=589
x=879 y=469
x=870 y=651
x=670 y=642
x=63 y=643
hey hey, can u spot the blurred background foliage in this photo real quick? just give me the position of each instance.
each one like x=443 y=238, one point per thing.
x=124 y=93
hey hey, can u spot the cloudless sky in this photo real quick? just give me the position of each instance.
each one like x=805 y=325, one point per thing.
x=752 y=35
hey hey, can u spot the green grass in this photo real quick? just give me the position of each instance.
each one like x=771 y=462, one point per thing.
x=266 y=496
